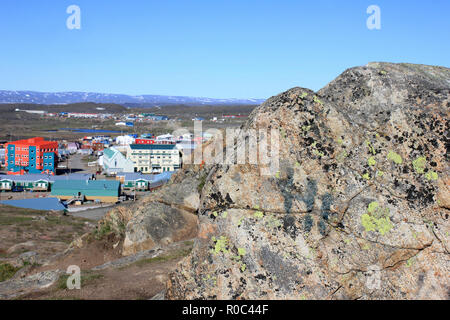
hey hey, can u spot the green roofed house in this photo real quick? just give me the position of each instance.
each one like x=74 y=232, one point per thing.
x=6 y=184
x=113 y=162
x=135 y=180
x=91 y=190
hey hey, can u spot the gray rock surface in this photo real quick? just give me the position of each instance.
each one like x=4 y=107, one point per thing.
x=19 y=286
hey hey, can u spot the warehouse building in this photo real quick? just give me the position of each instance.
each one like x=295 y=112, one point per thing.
x=91 y=190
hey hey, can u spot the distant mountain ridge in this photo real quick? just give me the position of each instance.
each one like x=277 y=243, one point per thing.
x=147 y=100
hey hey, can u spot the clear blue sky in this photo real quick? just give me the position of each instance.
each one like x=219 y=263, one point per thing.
x=210 y=48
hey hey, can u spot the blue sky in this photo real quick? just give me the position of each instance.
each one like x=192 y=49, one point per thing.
x=210 y=48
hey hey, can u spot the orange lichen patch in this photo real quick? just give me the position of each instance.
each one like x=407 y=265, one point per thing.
x=443 y=194
x=205 y=230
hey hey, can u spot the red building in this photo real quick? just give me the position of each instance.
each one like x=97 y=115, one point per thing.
x=145 y=141
x=33 y=155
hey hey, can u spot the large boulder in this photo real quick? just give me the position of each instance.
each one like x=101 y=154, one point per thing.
x=358 y=208
x=168 y=215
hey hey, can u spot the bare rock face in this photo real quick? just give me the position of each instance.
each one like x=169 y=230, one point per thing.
x=166 y=216
x=359 y=208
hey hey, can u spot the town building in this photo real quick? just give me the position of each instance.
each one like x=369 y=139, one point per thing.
x=143 y=182
x=135 y=180
x=154 y=158
x=91 y=190
x=114 y=162
x=124 y=140
x=33 y=155
x=145 y=141
x=37 y=182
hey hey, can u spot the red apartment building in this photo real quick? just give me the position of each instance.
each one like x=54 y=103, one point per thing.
x=33 y=155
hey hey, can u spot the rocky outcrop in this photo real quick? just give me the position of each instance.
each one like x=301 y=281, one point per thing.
x=18 y=286
x=358 y=209
x=166 y=216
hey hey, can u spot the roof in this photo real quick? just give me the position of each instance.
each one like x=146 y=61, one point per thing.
x=36 y=203
x=136 y=176
x=86 y=185
x=36 y=141
x=38 y=177
x=110 y=152
x=152 y=146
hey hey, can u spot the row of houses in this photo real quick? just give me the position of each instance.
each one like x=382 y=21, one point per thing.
x=82 y=187
x=37 y=182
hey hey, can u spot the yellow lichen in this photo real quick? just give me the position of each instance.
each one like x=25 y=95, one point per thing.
x=376 y=219
x=431 y=175
x=419 y=164
x=395 y=157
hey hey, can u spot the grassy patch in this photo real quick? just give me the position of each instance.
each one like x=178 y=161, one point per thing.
x=202 y=183
x=7 y=271
x=85 y=279
x=102 y=231
x=180 y=253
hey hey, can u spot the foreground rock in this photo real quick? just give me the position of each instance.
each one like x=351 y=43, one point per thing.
x=358 y=209
x=165 y=217
x=20 y=286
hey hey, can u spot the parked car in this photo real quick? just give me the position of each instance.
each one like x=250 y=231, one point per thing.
x=17 y=189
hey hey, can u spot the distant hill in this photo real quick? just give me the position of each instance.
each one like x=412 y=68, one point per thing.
x=86 y=107
x=141 y=101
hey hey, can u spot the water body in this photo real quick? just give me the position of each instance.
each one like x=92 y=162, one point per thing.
x=88 y=130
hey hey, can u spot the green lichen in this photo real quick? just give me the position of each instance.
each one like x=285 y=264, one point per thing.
x=277 y=175
x=419 y=164
x=224 y=214
x=306 y=128
x=273 y=222
x=380 y=173
x=371 y=161
x=303 y=95
x=382 y=72
x=241 y=251
x=395 y=157
x=376 y=219
x=318 y=153
x=240 y=221
x=341 y=156
x=258 y=214
x=243 y=267
x=214 y=214
x=371 y=148
x=317 y=100
x=366 y=176
x=221 y=245
x=340 y=141
x=431 y=175
x=410 y=262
